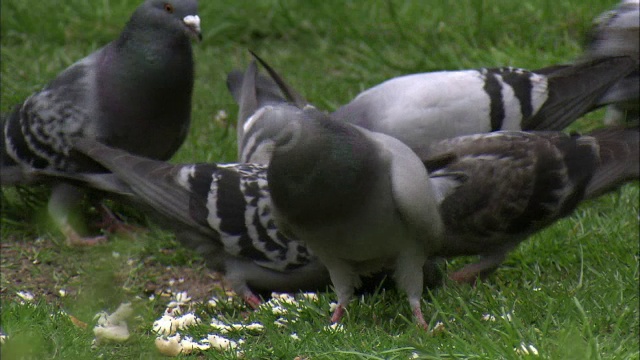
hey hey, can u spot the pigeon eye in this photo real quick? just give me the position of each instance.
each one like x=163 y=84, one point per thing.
x=169 y=8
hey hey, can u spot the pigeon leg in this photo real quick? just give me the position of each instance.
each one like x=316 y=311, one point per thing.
x=111 y=223
x=409 y=277
x=344 y=282
x=480 y=269
x=64 y=200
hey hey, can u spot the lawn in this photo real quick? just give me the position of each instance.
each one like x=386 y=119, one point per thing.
x=571 y=291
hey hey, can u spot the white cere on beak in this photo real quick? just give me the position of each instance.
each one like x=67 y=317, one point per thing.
x=192 y=21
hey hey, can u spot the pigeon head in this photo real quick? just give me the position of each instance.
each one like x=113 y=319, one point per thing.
x=178 y=18
x=315 y=156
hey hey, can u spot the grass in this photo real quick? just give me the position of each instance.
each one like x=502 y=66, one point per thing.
x=571 y=290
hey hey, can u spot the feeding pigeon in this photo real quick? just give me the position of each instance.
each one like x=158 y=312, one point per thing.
x=221 y=211
x=517 y=183
x=614 y=33
x=134 y=94
x=423 y=108
x=361 y=201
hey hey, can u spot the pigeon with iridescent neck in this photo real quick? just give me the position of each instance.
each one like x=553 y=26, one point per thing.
x=134 y=93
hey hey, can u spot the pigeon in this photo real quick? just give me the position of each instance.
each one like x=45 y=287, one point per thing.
x=222 y=211
x=361 y=201
x=419 y=109
x=506 y=186
x=134 y=94
x=614 y=33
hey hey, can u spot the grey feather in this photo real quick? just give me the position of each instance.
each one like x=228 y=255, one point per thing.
x=420 y=109
x=615 y=33
x=134 y=94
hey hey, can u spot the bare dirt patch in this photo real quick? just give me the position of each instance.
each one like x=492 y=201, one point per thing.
x=51 y=272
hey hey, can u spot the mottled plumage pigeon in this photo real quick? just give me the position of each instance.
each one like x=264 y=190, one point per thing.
x=221 y=211
x=615 y=33
x=420 y=109
x=513 y=184
x=133 y=94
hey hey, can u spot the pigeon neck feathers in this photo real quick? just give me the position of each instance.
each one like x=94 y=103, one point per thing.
x=316 y=156
x=145 y=81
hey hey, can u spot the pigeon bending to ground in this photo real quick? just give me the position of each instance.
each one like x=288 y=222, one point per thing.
x=361 y=201
x=420 y=109
x=221 y=211
x=615 y=33
x=506 y=186
x=133 y=94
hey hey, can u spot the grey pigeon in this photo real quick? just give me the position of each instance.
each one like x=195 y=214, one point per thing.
x=423 y=108
x=361 y=201
x=222 y=211
x=614 y=33
x=134 y=94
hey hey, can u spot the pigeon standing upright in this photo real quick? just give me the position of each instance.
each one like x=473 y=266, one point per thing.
x=614 y=33
x=134 y=94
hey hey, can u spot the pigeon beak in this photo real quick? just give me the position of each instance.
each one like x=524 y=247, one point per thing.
x=193 y=23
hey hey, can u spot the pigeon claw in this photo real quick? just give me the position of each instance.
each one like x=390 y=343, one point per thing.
x=75 y=240
x=111 y=223
x=337 y=314
x=417 y=314
x=252 y=300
